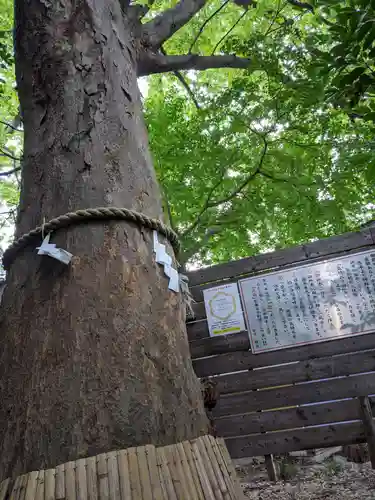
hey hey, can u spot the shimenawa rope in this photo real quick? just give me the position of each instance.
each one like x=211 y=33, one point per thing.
x=82 y=216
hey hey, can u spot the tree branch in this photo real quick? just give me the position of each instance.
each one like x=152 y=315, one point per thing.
x=157 y=63
x=10 y=172
x=184 y=83
x=8 y=155
x=162 y=27
x=301 y=5
x=248 y=179
x=208 y=204
x=10 y=126
x=169 y=209
x=201 y=29
x=205 y=206
x=228 y=32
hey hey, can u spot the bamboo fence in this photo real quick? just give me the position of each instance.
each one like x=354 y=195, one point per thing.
x=198 y=470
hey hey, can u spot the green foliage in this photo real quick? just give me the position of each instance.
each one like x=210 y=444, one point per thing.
x=316 y=167
x=10 y=139
x=273 y=156
x=346 y=56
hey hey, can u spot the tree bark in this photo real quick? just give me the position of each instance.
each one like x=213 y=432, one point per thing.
x=94 y=355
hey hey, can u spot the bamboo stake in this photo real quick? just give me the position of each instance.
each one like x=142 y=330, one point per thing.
x=223 y=468
x=60 y=482
x=92 y=479
x=193 y=469
x=15 y=489
x=113 y=478
x=49 y=484
x=215 y=465
x=135 y=482
x=206 y=487
x=165 y=474
x=144 y=473
x=31 y=485
x=39 y=495
x=123 y=467
x=81 y=479
x=102 y=471
x=209 y=469
x=153 y=470
x=191 y=491
x=229 y=464
x=4 y=486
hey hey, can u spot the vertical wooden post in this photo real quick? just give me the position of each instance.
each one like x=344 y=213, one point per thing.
x=369 y=425
x=271 y=469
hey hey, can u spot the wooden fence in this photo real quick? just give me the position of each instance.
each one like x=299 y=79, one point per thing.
x=261 y=409
x=198 y=470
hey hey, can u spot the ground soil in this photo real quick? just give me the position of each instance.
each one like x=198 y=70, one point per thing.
x=334 y=479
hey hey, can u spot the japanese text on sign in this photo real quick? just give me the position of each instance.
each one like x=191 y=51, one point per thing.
x=311 y=303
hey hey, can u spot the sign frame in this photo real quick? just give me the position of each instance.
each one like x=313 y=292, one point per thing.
x=256 y=350
x=225 y=325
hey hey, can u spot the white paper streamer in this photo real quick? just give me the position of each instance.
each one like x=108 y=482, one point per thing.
x=51 y=250
x=164 y=259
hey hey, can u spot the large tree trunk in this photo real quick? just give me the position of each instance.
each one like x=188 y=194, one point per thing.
x=93 y=356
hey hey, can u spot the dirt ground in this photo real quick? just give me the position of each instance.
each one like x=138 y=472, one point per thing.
x=334 y=479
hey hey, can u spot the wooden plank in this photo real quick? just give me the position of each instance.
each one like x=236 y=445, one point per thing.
x=153 y=470
x=219 y=345
x=318 y=250
x=247 y=265
x=135 y=482
x=123 y=466
x=81 y=479
x=4 y=487
x=70 y=481
x=31 y=486
x=113 y=479
x=199 y=330
x=292 y=418
x=236 y=361
x=304 y=371
x=60 y=482
x=294 y=440
x=92 y=480
x=271 y=469
x=49 y=486
x=199 y=311
x=102 y=472
x=325 y=390
x=144 y=473
x=39 y=494
x=369 y=426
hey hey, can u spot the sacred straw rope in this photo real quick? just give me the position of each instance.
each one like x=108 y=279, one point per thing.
x=89 y=214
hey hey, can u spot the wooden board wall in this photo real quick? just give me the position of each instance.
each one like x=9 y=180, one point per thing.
x=291 y=399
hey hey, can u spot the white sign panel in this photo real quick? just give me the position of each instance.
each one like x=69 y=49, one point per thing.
x=311 y=303
x=223 y=308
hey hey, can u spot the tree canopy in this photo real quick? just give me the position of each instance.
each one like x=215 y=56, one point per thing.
x=271 y=154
